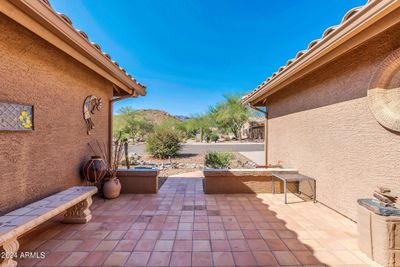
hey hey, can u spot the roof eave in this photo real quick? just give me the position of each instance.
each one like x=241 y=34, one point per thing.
x=40 y=18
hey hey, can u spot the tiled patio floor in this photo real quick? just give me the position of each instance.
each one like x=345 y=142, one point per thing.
x=181 y=226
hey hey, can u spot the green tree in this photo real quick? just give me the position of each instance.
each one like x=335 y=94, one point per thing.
x=230 y=115
x=132 y=123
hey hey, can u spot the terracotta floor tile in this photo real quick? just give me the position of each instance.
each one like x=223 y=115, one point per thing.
x=201 y=235
x=234 y=234
x=306 y=257
x=66 y=234
x=164 y=245
x=159 y=259
x=106 y=245
x=186 y=219
x=139 y=226
x=125 y=245
x=223 y=259
x=95 y=259
x=184 y=235
x=150 y=234
x=265 y=258
x=201 y=245
x=88 y=245
x=268 y=234
x=276 y=244
x=239 y=229
x=99 y=234
x=138 y=259
x=202 y=259
x=145 y=245
x=244 y=259
x=69 y=245
x=217 y=235
x=115 y=235
x=116 y=259
x=238 y=245
x=220 y=245
x=257 y=245
x=216 y=226
x=181 y=259
x=133 y=234
x=167 y=234
x=49 y=245
x=285 y=258
x=294 y=244
x=53 y=259
x=251 y=234
x=183 y=245
x=74 y=259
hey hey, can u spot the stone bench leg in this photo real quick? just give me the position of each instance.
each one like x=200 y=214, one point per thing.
x=80 y=213
x=10 y=250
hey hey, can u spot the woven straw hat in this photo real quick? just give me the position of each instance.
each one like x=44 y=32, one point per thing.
x=384 y=92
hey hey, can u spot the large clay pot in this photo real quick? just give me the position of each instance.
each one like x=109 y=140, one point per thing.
x=112 y=188
x=95 y=169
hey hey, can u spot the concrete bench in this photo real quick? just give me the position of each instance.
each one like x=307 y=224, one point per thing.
x=75 y=201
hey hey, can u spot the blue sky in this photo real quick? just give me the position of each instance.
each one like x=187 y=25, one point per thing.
x=190 y=52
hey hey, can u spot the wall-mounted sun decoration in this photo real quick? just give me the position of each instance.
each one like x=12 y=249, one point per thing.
x=384 y=92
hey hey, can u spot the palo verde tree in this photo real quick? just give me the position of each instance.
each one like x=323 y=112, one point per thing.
x=132 y=123
x=230 y=115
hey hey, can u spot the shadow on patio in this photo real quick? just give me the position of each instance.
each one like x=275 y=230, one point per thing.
x=181 y=226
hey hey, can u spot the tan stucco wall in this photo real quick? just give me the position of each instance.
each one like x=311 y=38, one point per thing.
x=36 y=164
x=322 y=126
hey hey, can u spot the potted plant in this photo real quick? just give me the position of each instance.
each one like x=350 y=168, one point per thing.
x=110 y=185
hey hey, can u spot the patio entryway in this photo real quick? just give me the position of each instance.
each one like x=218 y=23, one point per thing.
x=181 y=226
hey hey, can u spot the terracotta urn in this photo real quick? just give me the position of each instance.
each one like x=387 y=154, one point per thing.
x=112 y=188
x=95 y=169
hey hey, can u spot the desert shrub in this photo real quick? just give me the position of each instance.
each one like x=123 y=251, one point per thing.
x=218 y=160
x=164 y=143
x=214 y=137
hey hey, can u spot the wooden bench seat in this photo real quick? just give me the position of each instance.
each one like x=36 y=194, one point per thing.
x=75 y=202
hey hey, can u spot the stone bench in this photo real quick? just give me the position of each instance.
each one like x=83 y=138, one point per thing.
x=75 y=201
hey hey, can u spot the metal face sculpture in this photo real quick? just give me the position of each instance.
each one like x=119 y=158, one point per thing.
x=91 y=104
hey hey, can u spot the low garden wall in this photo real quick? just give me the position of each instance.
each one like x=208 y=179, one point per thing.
x=244 y=181
x=138 y=181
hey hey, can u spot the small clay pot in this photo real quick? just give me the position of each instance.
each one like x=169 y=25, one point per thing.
x=112 y=188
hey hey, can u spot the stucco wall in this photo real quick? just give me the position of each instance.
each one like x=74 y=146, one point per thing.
x=322 y=126
x=36 y=164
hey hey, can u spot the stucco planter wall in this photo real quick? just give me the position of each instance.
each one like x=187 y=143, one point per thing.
x=243 y=181
x=379 y=237
x=138 y=181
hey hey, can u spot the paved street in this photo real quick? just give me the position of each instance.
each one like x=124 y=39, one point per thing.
x=256 y=156
x=197 y=148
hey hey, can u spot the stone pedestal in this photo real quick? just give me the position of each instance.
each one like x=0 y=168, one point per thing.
x=379 y=236
x=80 y=213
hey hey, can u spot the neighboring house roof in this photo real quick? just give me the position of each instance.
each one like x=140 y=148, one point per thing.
x=39 y=17
x=335 y=41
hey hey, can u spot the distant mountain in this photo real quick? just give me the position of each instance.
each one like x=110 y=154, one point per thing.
x=182 y=117
x=159 y=116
